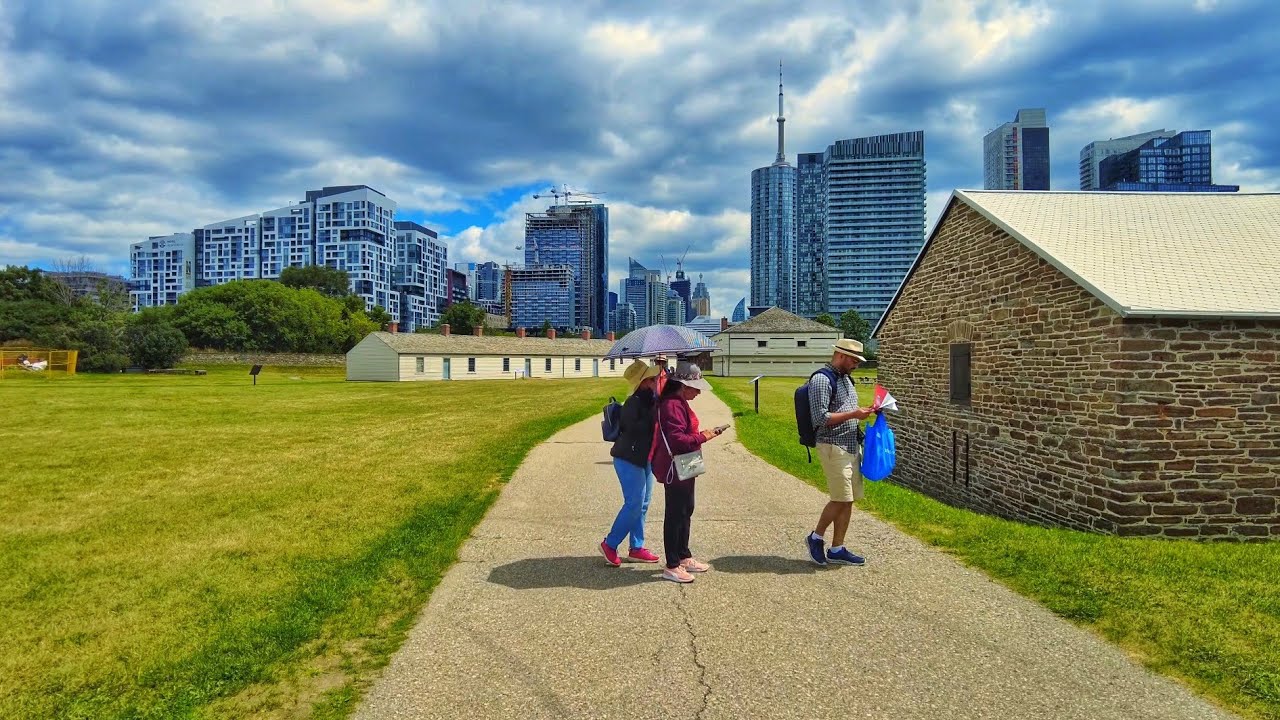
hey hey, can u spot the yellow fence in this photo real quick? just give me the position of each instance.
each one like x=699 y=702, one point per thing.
x=37 y=360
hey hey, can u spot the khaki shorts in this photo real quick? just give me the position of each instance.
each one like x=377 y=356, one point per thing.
x=843 y=471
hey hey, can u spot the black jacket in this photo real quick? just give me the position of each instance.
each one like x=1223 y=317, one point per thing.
x=638 y=414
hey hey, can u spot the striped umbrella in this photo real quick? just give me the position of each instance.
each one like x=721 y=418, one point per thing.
x=661 y=340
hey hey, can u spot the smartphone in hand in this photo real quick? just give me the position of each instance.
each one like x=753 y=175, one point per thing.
x=721 y=429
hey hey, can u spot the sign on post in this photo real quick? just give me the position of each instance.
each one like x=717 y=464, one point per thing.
x=254 y=372
x=756 y=381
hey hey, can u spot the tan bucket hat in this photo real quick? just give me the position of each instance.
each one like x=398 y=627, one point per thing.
x=849 y=347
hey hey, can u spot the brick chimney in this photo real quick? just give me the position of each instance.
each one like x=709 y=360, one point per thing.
x=551 y=334
x=444 y=329
x=393 y=327
x=519 y=332
x=610 y=336
x=724 y=324
x=586 y=334
x=477 y=330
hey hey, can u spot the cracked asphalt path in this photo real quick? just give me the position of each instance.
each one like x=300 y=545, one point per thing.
x=531 y=622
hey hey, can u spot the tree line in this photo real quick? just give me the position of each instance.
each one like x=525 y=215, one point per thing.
x=310 y=310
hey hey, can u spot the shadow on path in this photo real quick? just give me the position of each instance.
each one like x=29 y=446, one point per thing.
x=774 y=564
x=587 y=573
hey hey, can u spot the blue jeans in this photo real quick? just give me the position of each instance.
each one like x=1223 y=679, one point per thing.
x=637 y=489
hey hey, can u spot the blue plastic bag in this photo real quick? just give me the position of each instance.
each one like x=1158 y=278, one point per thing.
x=878 y=451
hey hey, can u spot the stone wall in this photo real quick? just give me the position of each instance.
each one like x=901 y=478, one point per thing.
x=1078 y=418
x=203 y=357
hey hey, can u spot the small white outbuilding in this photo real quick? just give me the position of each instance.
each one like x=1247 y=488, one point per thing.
x=775 y=343
x=402 y=357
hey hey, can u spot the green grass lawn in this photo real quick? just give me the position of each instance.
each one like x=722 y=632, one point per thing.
x=1207 y=613
x=177 y=546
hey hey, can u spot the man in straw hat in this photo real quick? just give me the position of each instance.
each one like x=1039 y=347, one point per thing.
x=833 y=408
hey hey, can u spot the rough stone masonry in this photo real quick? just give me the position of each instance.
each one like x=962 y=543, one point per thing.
x=1078 y=417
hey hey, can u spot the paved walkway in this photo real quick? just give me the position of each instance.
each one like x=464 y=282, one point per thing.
x=531 y=623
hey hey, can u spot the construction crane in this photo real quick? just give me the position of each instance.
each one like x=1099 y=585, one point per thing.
x=564 y=192
x=680 y=262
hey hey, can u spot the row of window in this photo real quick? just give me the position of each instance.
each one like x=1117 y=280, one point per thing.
x=420 y=364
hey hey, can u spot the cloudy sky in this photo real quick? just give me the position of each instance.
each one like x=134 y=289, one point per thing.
x=123 y=119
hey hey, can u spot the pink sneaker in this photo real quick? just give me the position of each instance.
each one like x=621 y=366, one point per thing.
x=610 y=555
x=676 y=574
x=693 y=566
x=641 y=555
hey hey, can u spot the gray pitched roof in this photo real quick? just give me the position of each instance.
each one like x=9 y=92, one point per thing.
x=776 y=320
x=1146 y=254
x=480 y=345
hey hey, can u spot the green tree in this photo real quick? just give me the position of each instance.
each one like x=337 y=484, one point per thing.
x=826 y=319
x=18 y=283
x=380 y=317
x=853 y=326
x=152 y=340
x=265 y=316
x=462 y=316
x=328 y=281
x=546 y=328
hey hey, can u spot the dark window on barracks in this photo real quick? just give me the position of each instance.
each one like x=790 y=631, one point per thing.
x=961 y=375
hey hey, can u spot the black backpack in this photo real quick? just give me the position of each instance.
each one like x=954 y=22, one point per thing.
x=804 y=423
x=611 y=426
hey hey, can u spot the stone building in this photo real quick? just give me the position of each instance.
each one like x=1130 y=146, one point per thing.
x=1099 y=361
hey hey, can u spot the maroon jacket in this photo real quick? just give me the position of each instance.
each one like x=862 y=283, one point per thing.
x=680 y=426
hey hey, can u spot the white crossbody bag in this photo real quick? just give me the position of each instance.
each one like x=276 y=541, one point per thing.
x=687 y=465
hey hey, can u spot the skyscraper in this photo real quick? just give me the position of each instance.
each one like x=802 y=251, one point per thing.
x=541 y=294
x=1015 y=156
x=701 y=298
x=682 y=287
x=811 y=236
x=739 y=311
x=773 y=226
x=874 y=219
x=576 y=235
x=1182 y=163
x=1092 y=155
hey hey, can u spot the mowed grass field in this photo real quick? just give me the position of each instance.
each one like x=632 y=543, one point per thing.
x=1207 y=613
x=178 y=546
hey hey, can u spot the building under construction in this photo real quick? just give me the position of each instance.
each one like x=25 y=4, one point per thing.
x=574 y=235
x=539 y=294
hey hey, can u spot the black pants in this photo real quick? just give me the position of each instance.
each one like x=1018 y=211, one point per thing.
x=676 y=521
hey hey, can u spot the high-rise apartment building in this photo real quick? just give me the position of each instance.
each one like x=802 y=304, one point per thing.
x=701 y=298
x=419 y=275
x=811 y=235
x=1182 y=163
x=1092 y=155
x=543 y=293
x=355 y=232
x=576 y=235
x=287 y=239
x=773 y=226
x=160 y=269
x=874 y=219
x=229 y=250
x=1015 y=156
x=624 y=318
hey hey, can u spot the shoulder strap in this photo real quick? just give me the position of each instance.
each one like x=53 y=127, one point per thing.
x=830 y=375
x=672 y=466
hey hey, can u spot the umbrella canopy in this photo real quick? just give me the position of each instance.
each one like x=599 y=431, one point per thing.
x=661 y=339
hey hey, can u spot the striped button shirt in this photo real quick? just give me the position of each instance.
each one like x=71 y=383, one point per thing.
x=822 y=404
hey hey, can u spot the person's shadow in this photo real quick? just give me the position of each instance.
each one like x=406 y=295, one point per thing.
x=588 y=573
x=764 y=564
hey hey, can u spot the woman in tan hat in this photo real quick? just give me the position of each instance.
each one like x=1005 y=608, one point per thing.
x=631 y=462
x=678 y=433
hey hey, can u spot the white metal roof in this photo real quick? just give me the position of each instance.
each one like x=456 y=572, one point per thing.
x=1152 y=254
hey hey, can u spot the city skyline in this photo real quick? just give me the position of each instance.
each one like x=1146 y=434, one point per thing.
x=110 y=138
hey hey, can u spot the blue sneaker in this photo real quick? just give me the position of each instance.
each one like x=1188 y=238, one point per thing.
x=815 y=549
x=844 y=557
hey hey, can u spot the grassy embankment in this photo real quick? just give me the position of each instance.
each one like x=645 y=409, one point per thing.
x=1207 y=613
x=177 y=546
